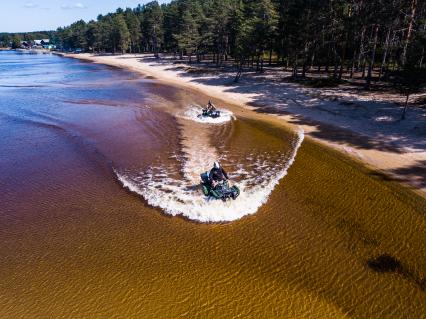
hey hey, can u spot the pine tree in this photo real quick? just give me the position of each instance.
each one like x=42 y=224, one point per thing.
x=4 y=40
x=170 y=25
x=106 y=33
x=93 y=36
x=215 y=31
x=152 y=23
x=16 y=42
x=368 y=39
x=77 y=36
x=133 y=24
x=188 y=35
x=121 y=34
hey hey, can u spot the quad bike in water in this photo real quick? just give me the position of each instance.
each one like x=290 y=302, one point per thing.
x=210 y=113
x=222 y=191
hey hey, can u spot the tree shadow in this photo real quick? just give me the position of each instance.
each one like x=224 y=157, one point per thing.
x=362 y=124
x=415 y=173
x=342 y=118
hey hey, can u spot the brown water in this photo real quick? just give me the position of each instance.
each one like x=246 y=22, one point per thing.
x=331 y=240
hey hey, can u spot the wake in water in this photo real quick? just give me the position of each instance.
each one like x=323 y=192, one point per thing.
x=165 y=187
x=193 y=114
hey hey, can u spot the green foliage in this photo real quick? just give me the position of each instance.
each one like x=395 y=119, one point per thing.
x=16 y=42
x=134 y=27
x=6 y=38
x=187 y=34
x=106 y=35
x=170 y=25
x=152 y=26
x=334 y=35
x=93 y=36
x=120 y=35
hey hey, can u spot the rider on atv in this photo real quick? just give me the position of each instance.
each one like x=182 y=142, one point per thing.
x=215 y=184
x=210 y=111
x=210 y=107
x=217 y=174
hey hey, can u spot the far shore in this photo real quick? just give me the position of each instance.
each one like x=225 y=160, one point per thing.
x=44 y=51
x=364 y=126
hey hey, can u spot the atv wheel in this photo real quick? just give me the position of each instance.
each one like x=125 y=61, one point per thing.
x=215 y=194
x=205 y=190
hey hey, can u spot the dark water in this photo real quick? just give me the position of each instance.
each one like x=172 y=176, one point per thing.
x=329 y=239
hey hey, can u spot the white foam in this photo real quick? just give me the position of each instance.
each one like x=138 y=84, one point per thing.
x=183 y=197
x=193 y=114
x=384 y=118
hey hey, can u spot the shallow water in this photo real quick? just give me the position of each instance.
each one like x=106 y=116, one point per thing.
x=76 y=243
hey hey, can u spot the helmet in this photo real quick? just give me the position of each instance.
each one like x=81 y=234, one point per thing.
x=216 y=165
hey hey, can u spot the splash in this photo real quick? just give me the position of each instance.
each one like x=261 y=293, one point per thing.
x=161 y=187
x=193 y=114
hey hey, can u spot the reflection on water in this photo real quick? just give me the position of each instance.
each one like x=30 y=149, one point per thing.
x=331 y=239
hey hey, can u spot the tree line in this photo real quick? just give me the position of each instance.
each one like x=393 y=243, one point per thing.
x=13 y=40
x=338 y=35
x=341 y=37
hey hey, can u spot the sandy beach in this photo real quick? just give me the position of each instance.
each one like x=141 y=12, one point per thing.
x=362 y=125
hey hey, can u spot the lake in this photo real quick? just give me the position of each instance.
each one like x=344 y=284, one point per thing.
x=102 y=214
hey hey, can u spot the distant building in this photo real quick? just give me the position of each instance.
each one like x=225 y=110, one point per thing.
x=26 y=44
x=43 y=44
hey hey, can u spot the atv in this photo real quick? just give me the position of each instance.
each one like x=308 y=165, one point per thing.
x=210 y=113
x=222 y=191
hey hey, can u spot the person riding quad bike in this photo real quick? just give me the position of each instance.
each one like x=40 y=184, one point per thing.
x=215 y=184
x=210 y=107
x=217 y=174
x=210 y=110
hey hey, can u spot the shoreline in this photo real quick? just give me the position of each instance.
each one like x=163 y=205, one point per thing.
x=31 y=51
x=363 y=144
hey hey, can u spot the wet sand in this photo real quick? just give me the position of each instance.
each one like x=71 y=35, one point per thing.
x=334 y=239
